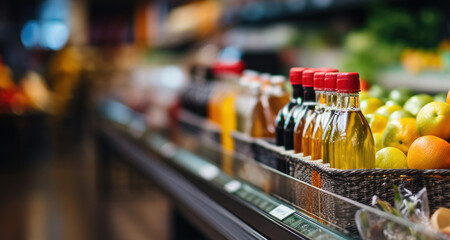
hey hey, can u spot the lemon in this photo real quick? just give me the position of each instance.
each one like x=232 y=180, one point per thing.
x=434 y=119
x=400 y=133
x=377 y=122
x=369 y=105
x=387 y=110
x=400 y=114
x=378 y=137
x=390 y=158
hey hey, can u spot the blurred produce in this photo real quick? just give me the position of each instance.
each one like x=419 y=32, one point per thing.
x=36 y=91
x=415 y=103
x=387 y=110
x=440 y=97
x=400 y=95
x=31 y=95
x=440 y=220
x=400 y=114
x=386 y=40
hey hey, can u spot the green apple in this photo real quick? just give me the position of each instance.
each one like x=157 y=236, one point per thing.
x=387 y=110
x=378 y=91
x=416 y=102
x=400 y=95
x=400 y=114
x=440 y=97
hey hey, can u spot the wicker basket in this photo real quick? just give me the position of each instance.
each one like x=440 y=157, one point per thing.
x=244 y=144
x=437 y=182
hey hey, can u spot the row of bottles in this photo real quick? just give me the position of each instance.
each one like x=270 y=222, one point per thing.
x=260 y=99
x=323 y=119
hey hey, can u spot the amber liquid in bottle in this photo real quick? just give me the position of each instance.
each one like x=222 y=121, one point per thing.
x=262 y=119
x=328 y=119
x=305 y=113
x=315 y=137
x=351 y=142
x=277 y=100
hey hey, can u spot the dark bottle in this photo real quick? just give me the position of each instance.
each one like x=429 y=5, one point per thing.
x=285 y=125
x=295 y=77
x=307 y=109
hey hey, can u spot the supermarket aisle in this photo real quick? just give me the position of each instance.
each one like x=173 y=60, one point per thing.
x=57 y=196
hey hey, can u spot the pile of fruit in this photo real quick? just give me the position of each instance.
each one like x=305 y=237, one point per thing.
x=410 y=131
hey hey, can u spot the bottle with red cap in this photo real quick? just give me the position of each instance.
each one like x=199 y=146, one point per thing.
x=309 y=98
x=351 y=141
x=314 y=121
x=284 y=117
x=320 y=141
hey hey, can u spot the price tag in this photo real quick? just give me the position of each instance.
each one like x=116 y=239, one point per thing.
x=281 y=212
x=209 y=172
x=232 y=186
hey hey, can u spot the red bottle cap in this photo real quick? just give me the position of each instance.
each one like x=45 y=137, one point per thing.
x=348 y=82
x=232 y=67
x=295 y=75
x=320 y=76
x=327 y=70
x=330 y=81
x=307 y=78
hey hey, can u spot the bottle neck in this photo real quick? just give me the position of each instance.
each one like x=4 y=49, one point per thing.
x=349 y=101
x=320 y=99
x=297 y=93
x=309 y=94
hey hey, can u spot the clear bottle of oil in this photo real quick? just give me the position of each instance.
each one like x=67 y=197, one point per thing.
x=317 y=129
x=318 y=144
x=351 y=141
x=285 y=118
x=313 y=120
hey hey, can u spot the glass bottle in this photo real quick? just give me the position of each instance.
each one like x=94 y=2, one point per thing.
x=278 y=96
x=319 y=146
x=261 y=125
x=245 y=101
x=285 y=119
x=295 y=78
x=309 y=103
x=314 y=118
x=352 y=141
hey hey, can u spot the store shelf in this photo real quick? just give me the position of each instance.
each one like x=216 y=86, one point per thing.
x=245 y=202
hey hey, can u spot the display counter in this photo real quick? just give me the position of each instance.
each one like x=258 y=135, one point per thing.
x=226 y=195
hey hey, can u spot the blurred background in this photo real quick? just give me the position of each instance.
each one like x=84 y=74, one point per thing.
x=59 y=58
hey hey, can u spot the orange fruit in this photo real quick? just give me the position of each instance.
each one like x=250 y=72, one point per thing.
x=400 y=133
x=448 y=97
x=434 y=119
x=429 y=152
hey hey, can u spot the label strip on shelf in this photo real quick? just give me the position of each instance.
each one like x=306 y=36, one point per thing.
x=281 y=212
